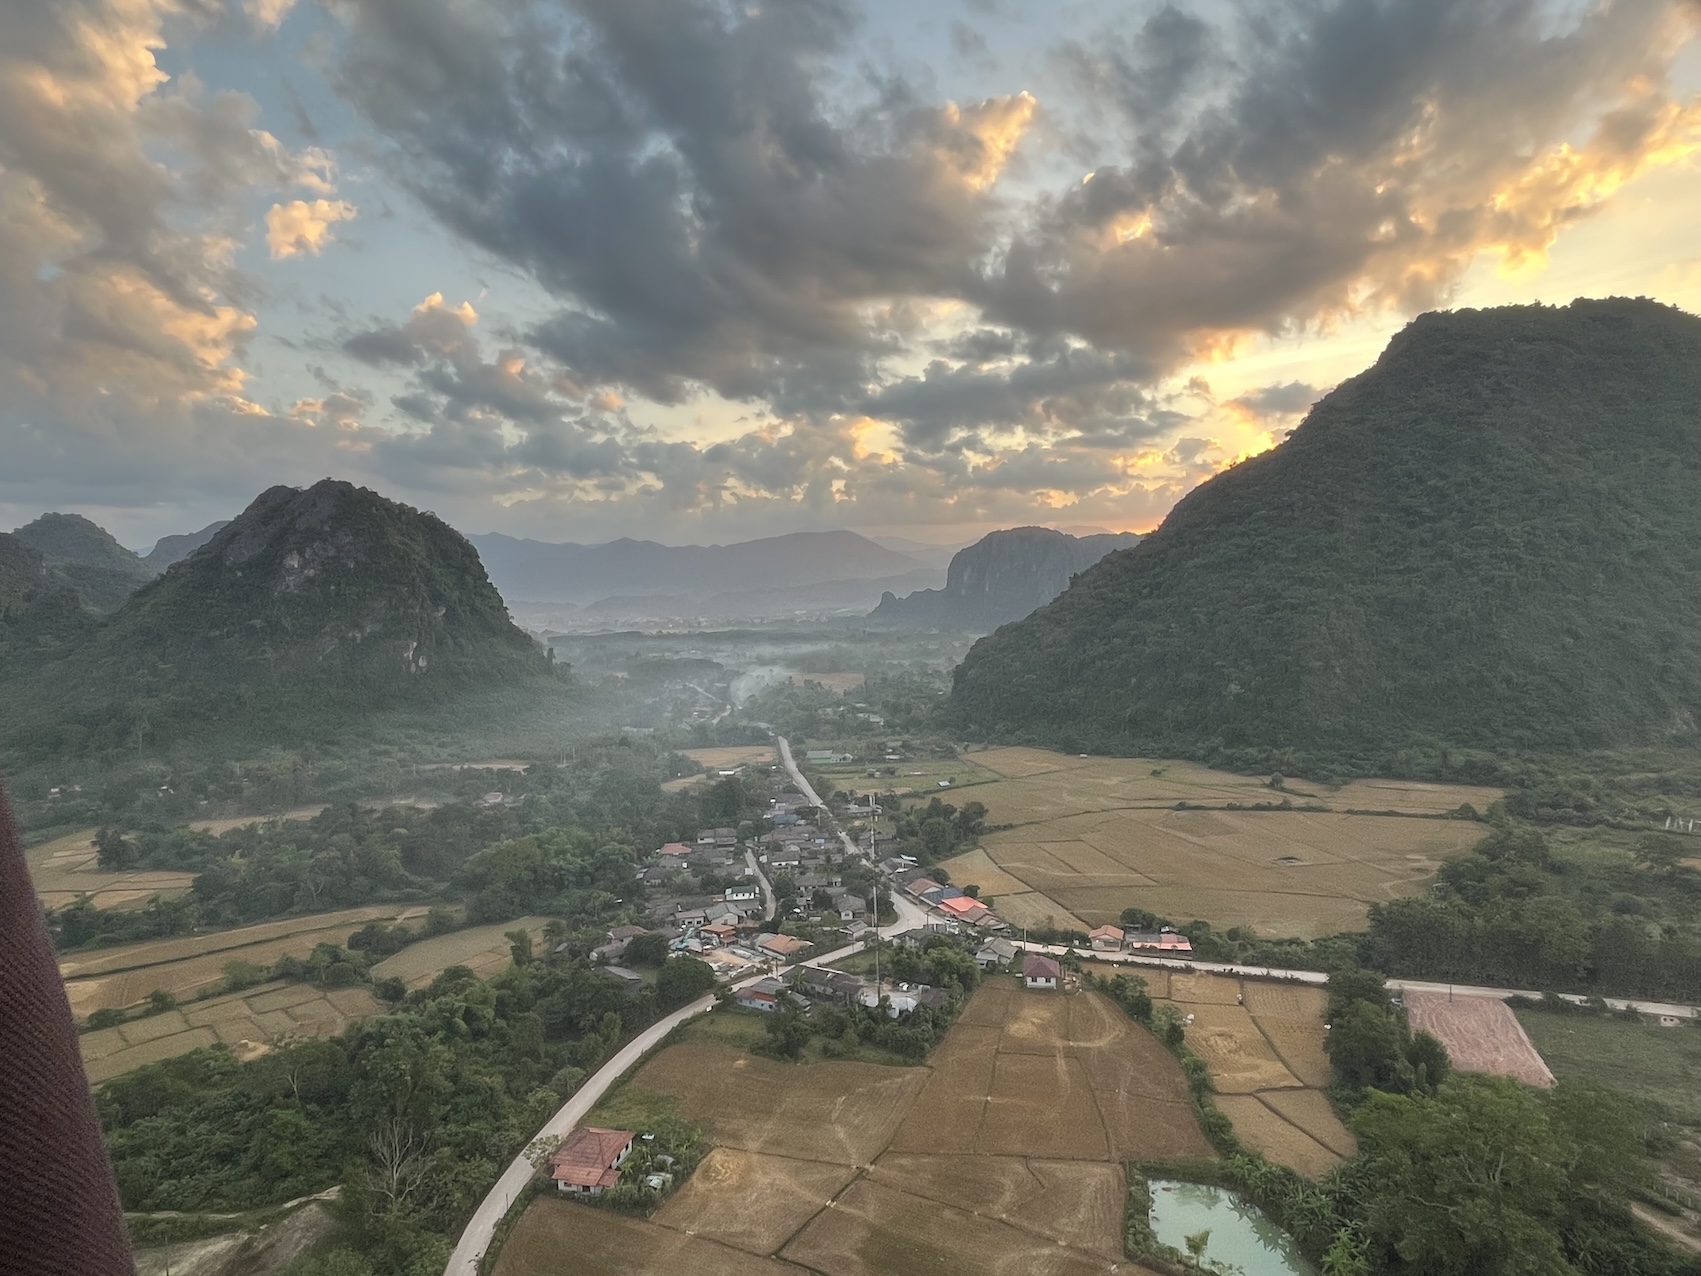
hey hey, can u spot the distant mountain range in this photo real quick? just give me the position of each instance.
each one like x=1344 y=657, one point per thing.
x=1491 y=540
x=1002 y=577
x=643 y=579
x=174 y=549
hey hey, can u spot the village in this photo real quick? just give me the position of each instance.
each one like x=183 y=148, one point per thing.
x=778 y=907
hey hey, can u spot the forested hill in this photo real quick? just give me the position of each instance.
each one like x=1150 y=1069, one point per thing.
x=1491 y=538
x=313 y=603
x=83 y=557
x=1002 y=577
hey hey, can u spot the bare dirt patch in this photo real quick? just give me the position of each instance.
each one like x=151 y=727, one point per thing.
x=227 y=823
x=1481 y=1035
x=752 y=1201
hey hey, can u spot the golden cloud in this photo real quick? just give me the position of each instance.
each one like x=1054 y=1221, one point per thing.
x=303 y=226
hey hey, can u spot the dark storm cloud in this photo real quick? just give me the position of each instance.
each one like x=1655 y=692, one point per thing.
x=675 y=171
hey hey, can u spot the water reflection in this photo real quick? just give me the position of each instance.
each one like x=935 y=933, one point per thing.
x=1228 y=1235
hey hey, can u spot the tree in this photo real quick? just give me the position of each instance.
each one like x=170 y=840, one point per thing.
x=1654 y=853
x=647 y=950
x=112 y=852
x=519 y=945
x=683 y=979
x=1471 y=1179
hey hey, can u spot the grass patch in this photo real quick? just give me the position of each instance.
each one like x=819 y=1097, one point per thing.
x=1647 y=1062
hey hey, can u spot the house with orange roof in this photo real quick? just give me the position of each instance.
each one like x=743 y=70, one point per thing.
x=588 y=1161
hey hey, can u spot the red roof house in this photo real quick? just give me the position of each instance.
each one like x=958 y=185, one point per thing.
x=588 y=1160
x=676 y=848
x=1106 y=939
x=1040 y=972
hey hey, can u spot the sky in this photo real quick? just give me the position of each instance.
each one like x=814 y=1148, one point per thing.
x=701 y=272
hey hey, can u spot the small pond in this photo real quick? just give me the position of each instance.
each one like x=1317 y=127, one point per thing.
x=1242 y=1240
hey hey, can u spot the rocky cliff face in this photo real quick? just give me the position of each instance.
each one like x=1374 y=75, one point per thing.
x=1002 y=577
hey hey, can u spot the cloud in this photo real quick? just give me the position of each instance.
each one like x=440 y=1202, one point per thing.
x=267 y=15
x=1344 y=157
x=303 y=226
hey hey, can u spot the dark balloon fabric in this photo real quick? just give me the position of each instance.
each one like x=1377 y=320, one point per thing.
x=59 y=1211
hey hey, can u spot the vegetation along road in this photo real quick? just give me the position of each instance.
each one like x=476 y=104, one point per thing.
x=1681 y=1010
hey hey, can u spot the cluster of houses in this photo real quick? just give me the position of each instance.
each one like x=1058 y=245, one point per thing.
x=1166 y=942
x=956 y=905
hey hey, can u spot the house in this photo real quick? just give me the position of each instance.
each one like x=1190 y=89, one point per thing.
x=785 y=947
x=827 y=757
x=921 y=886
x=916 y=937
x=1106 y=939
x=764 y=995
x=960 y=904
x=625 y=934
x=1040 y=972
x=612 y=951
x=826 y=985
x=679 y=849
x=995 y=953
x=720 y=932
x=588 y=1161
x=631 y=982
x=1165 y=943
x=736 y=895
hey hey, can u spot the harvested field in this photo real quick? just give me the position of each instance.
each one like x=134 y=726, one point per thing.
x=977 y=868
x=732 y=755
x=118 y=978
x=247 y=1022
x=1284 y=1143
x=67 y=867
x=872 y=1231
x=752 y=1201
x=482 y=949
x=1282 y=873
x=1309 y=1110
x=1002 y=1155
x=1299 y=1045
x=1034 y=909
x=841 y=682
x=1240 y=1059
x=1079 y=1202
x=839 y=1112
x=1481 y=1035
x=1202 y=988
x=560 y=1236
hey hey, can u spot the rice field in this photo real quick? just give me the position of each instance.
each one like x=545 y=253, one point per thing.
x=186 y=966
x=249 y=1022
x=67 y=867
x=1094 y=836
x=733 y=755
x=484 y=950
x=1003 y=1154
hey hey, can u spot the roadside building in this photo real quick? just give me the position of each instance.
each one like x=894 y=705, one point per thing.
x=675 y=850
x=762 y=995
x=588 y=1161
x=1106 y=939
x=784 y=947
x=995 y=953
x=1164 y=943
x=1040 y=972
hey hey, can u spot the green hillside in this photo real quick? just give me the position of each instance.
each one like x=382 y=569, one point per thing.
x=85 y=558
x=310 y=608
x=1491 y=539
